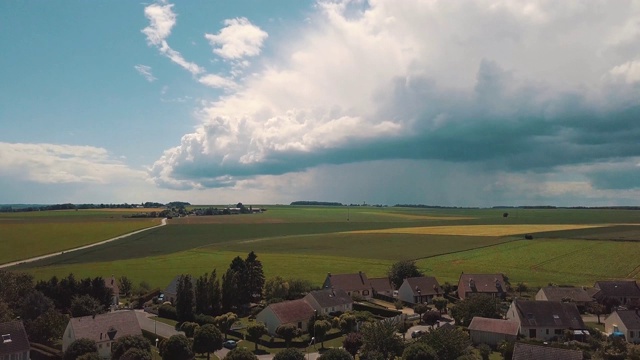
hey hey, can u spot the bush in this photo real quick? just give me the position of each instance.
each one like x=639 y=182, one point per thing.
x=398 y=304
x=168 y=312
x=528 y=237
x=203 y=319
x=431 y=317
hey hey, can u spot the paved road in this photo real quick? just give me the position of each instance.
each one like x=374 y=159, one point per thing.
x=160 y=328
x=163 y=223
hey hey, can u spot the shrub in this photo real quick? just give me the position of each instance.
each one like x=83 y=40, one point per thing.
x=168 y=312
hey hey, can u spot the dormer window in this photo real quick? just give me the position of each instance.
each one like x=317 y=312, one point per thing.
x=6 y=338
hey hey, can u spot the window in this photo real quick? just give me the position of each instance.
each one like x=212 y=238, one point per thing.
x=547 y=331
x=630 y=333
x=99 y=346
x=558 y=332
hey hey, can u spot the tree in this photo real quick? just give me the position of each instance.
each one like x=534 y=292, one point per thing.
x=207 y=338
x=256 y=330
x=125 y=285
x=89 y=356
x=402 y=270
x=85 y=305
x=335 y=354
x=419 y=351
x=189 y=328
x=447 y=288
x=596 y=309
x=184 y=298
x=224 y=322
x=6 y=314
x=352 y=343
x=203 y=294
x=288 y=332
x=520 y=287
x=298 y=288
x=34 y=305
x=80 y=347
x=289 y=354
x=440 y=303
x=380 y=337
x=47 y=328
x=276 y=288
x=449 y=343
x=255 y=276
x=485 y=351
x=215 y=294
x=320 y=329
x=240 y=354
x=136 y=354
x=347 y=322
x=128 y=342
x=230 y=290
x=177 y=347
x=477 y=305
x=421 y=309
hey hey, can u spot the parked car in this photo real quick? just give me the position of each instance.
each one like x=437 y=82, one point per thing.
x=416 y=334
x=230 y=344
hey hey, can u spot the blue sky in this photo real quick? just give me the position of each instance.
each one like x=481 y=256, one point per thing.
x=450 y=103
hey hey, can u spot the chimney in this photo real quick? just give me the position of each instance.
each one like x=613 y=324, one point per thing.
x=329 y=274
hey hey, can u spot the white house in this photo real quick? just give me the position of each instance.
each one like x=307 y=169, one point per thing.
x=626 y=322
x=296 y=312
x=544 y=320
x=104 y=329
x=419 y=290
x=329 y=301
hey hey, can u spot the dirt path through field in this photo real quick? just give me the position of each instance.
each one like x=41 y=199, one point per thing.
x=6 y=265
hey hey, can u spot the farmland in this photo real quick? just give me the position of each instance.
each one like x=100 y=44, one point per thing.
x=569 y=246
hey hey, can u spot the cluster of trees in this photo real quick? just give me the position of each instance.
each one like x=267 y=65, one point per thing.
x=209 y=295
x=68 y=293
x=125 y=348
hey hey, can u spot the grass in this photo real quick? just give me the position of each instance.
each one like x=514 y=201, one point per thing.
x=25 y=239
x=164 y=320
x=308 y=242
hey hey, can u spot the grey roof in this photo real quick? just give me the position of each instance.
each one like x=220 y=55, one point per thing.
x=481 y=283
x=498 y=326
x=103 y=327
x=522 y=351
x=426 y=285
x=14 y=338
x=557 y=293
x=381 y=284
x=329 y=298
x=630 y=318
x=623 y=288
x=292 y=311
x=549 y=313
x=172 y=288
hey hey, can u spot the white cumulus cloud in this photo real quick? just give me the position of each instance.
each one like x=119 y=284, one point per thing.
x=238 y=39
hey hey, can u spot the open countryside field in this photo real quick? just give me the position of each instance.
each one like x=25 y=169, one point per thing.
x=308 y=242
x=25 y=235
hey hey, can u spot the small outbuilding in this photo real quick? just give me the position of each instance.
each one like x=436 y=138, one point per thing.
x=492 y=331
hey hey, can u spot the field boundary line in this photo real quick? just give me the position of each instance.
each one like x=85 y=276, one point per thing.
x=460 y=251
x=46 y=256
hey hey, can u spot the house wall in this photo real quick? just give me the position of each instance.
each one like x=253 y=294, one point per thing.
x=542 y=333
x=405 y=293
x=612 y=321
x=104 y=349
x=541 y=296
x=489 y=338
x=68 y=337
x=269 y=319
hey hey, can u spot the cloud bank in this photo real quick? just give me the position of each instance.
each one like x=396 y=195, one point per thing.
x=545 y=88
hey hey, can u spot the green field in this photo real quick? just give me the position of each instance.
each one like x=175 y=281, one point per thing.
x=26 y=235
x=308 y=242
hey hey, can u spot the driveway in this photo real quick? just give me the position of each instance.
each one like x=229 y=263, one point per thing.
x=156 y=327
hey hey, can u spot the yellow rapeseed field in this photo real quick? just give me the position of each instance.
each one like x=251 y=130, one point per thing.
x=476 y=230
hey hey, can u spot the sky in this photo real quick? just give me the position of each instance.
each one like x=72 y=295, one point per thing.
x=453 y=103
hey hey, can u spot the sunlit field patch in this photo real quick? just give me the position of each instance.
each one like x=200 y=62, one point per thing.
x=477 y=230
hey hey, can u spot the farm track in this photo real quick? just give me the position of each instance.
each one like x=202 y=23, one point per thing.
x=537 y=267
x=41 y=257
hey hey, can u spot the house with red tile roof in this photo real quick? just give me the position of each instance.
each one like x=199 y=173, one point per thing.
x=14 y=343
x=297 y=312
x=381 y=286
x=494 y=285
x=419 y=290
x=104 y=329
x=492 y=331
x=354 y=284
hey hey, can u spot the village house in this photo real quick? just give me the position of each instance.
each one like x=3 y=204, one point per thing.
x=492 y=331
x=104 y=329
x=613 y=293
x=329 y=301
x=544 y=320
x=382 y=286
x=576 y=295
x=353 y=284
x=624 y=322
x=171 y=291
x=419 y=290
x=14 y=344
x=297 y=312
x=488 y=284
x=112 y=283
x=522 y=351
